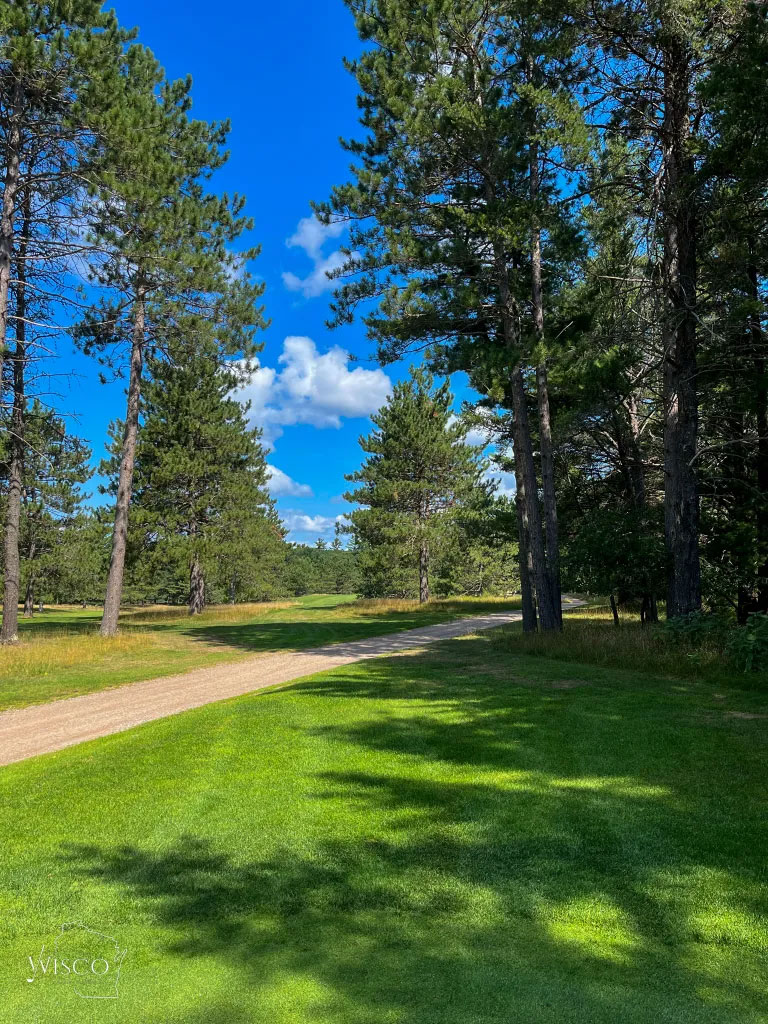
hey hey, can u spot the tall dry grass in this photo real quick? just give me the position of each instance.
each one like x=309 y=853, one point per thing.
x=590 y=636
x=41 y=656
x=214 y=613
x=462 y=605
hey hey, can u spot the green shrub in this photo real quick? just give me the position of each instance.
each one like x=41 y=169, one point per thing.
x=748 y=645
x=697 y=629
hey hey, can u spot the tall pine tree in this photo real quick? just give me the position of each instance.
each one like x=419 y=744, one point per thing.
x=418 y=479
x=168 y=249
x=200 y=492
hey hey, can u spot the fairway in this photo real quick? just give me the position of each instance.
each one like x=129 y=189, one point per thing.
x=453 y=836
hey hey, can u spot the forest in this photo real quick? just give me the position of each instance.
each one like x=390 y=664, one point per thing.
x=564 y=202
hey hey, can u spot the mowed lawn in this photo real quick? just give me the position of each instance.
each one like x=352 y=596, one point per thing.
x=462 y=836
x=62 y=655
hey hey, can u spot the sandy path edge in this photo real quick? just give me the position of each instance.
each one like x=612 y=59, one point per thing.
x=44 y=728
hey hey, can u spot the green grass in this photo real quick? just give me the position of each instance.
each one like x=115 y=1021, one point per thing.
x=459 y=836
x=61 y=654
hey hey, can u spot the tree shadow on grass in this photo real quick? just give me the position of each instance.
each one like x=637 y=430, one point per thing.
x=431 y=929
x=298 y=635
x=258 y=634
x=333 y=628
x=508 y=854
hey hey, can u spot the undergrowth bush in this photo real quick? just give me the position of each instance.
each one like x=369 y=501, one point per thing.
x=699 y=647
x=747 y=646
x=698 y=629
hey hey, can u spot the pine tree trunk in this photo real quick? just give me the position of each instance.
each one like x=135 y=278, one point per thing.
x=636 y=467
x=29 y=602
x=545 y=420
x=7 y=216
x=114 y=592
x=12 y=581
x=423 y=570
x=530 y=621
x=681 y=413
x=761 y=417
x=548 y=491
x=637 y=496
x=523 y=446
x=548 y=617
x=614 y=610
x=196 y=586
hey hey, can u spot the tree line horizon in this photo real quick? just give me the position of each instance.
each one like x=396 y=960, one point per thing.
x=564 y=200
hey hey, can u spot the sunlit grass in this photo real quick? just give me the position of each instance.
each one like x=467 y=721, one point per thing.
x=449 y=837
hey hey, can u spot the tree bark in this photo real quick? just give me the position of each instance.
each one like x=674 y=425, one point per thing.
x=548 y=616
x=12 y=581
x=761 y=418
x=10 y=628
x=615 y=611
x=548 y=491
x=530 y=619
x=681 y=413
x=638 y=495
x=542 y=388
x=196 y=586
x=423 y=570
x=29 y=600
x=636 y=466
x=7 y=216
x=114 y=592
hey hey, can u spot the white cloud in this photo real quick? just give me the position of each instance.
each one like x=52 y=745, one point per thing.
x=280 y=484
x=318 y=281
x=311 y=236
x=300 y=525
x=505 y=482
x=477 y=437
x=315 y=388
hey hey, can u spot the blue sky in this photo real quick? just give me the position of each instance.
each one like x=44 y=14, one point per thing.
x=276 y=72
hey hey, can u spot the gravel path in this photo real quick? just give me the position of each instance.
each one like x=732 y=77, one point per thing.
x=41 y=729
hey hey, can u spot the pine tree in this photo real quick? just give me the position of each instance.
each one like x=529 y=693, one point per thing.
x=201 y=472
x=418 y=478
x=54 y=470
x=653 y=60
x=56 y=62
x=455 y=212
x=167 y=243
x=734 y=267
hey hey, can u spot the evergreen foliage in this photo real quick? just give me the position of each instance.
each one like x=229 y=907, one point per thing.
x=419 y=483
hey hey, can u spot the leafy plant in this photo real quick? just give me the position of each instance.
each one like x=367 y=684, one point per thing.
x=697 y=629
x=748 y=645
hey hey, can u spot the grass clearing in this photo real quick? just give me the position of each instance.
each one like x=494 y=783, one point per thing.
x=451 y=836
x=62 y=654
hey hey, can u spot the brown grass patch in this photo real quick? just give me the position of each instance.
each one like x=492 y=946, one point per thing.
x=217 y=613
